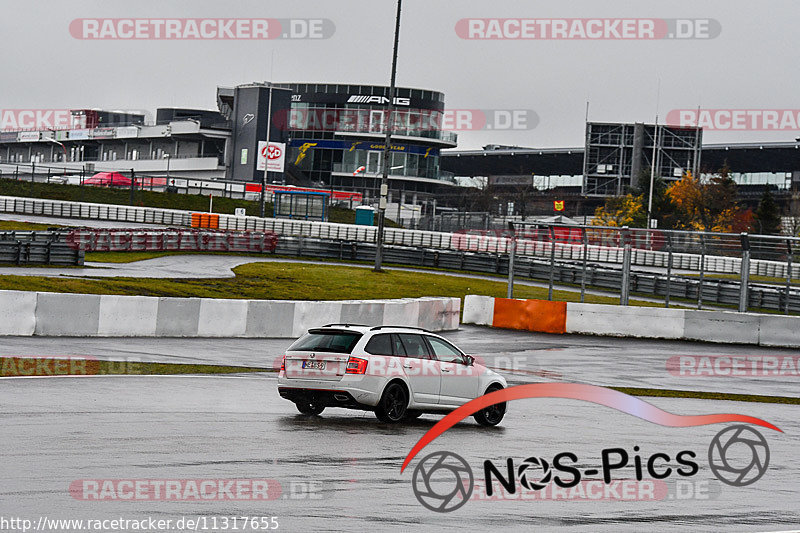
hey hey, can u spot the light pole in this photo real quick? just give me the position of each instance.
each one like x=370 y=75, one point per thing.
x=62 y=147
x=652 y=173
x=167 y=157
x=266 y=158
x=386 y=149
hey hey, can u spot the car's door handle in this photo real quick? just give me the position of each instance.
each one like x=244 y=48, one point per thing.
x=407 y=365
x=446 y=370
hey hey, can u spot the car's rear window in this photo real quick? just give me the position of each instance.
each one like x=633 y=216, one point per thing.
x=326 y=341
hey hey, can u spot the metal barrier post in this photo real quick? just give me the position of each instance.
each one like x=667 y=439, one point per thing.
x=585 y=240
x=669 y=269
x=745 y=273
x=702 y=270
x=133 y=186
x=511 y=252
x=788 y=273
x=552 y=262
x=626 y=266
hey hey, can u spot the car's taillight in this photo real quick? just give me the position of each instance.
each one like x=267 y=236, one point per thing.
x=356 y=365
x=283 y=364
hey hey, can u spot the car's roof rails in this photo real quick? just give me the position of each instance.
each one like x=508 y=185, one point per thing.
x=400 y=327
x=347 y=325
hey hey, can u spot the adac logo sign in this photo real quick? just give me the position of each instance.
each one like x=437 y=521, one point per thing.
x=443 y=481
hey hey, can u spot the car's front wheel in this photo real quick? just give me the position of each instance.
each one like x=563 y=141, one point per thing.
x=492 y=415
x=393 y=405
x=310 y=407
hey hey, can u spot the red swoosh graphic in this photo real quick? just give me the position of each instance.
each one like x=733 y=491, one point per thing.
x=575 y=391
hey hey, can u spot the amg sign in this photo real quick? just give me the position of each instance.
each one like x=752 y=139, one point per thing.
x=380 y=100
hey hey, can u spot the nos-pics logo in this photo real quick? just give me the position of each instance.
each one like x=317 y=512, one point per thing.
x=443 y=481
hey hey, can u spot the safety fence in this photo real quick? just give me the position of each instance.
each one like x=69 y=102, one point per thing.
x=650 y=254
x=656 y=253
x=715 y=292
x=610 y=278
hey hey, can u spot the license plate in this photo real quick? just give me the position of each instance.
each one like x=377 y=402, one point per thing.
x=319 y=365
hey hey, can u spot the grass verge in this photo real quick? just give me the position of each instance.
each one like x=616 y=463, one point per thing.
x=14 y=225
x=700 y=395
x=57 y=366
x=292 y=281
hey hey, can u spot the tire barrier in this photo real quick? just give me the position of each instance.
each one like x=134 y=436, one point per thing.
x=90 y=315
x=639 y=322
x=188 y=240
x=37 y=248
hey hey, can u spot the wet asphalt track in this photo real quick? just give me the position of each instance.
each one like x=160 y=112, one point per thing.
x=522 y=356
x=55 y=431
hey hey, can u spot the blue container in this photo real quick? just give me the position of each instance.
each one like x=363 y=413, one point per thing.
x=365 y=215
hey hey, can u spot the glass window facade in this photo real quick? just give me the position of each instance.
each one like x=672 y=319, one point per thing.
x=337 y=134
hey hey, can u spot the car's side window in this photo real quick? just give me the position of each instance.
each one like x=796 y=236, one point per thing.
x=379 y=345
x=397 y=345
x=415 y=345
x=444 y=351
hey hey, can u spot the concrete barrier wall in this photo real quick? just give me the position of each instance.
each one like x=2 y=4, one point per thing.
x=17 y=313
x=617 y=320
x=478 y=310
x=723 y=326
x=89 y=315
x=642 y=322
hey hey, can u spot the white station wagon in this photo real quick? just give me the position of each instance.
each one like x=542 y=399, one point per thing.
x=398 y=372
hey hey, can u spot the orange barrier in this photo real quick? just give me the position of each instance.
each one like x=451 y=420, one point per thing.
x=205 y=220
x=531 y=315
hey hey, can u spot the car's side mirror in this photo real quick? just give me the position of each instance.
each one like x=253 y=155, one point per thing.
x=469 y=360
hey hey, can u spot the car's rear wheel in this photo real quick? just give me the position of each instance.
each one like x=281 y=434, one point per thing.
x=310 y=407
x=393 y=405
x=492 y=415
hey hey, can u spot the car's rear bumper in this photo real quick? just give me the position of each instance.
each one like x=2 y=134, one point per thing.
x=364 y=390
x=326 y=397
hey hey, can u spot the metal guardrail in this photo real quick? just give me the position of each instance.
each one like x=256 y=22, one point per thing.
x=38 y=248
x=67 y=248
x=715 y=292
x=693 y=251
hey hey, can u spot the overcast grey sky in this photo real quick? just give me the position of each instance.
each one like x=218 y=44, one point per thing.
x=752 y=64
